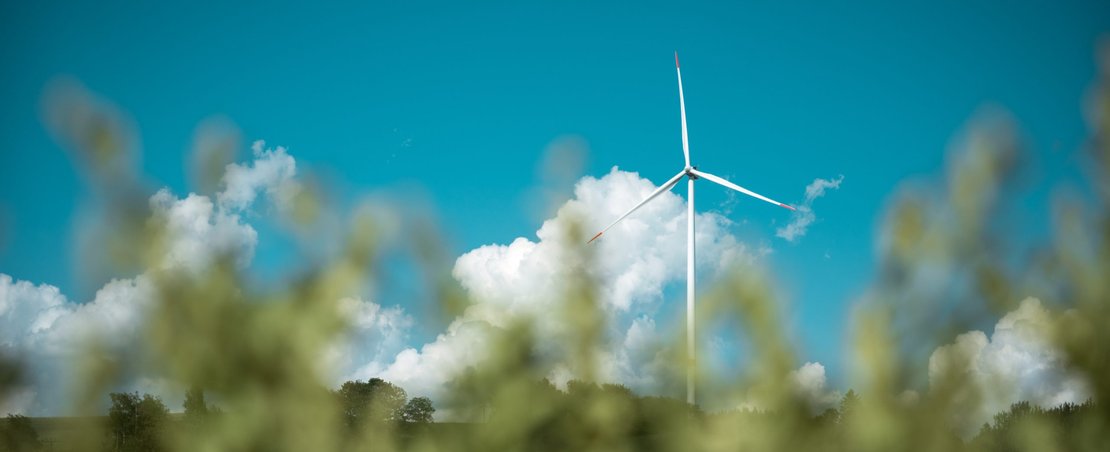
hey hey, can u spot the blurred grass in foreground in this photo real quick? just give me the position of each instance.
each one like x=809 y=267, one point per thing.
x=257 y=352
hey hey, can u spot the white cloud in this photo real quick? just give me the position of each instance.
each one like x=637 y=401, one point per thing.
x=27 y=311
x=426 y=371
x=1016 y=363
x=38 y=323
x=198 y=232
x=804 y=216
x=809 y=384
x=376 y=335
x=809 y=380
x=636 y=260
x=272 y=171
x=41 y=318
x=47 y=330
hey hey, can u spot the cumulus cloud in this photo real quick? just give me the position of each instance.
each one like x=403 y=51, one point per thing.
x=272 y=171
x=426 y=371
x=48 y=331
x=810 y=382
x=376 y=335
x=40 y=324
x=40 y=318
x=636 y=260
x=198 y=232
x=1016 y=363
x=804 y=216
x=27 y=310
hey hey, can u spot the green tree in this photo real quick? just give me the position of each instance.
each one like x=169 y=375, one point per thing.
x=17 y=434
x=1061 y=424
x=195 y=408
x=581 y=389
x=419 y=409
x=848 y=404
x=136 y=422
x=198 y=412
x=376 y=400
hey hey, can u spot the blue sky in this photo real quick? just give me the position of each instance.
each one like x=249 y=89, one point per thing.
x=462 y=100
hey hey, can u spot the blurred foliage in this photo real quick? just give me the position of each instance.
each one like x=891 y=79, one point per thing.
x=18 y=435
x=198 y=413
x=11 y=374
x=257 y=350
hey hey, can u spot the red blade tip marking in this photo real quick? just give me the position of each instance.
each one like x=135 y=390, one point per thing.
x=786 y=206
x=676 y=59
x=595 y=238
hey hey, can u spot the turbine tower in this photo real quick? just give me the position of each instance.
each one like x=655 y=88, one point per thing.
x=691 y=173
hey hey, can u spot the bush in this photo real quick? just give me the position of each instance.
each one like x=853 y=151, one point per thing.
x=17 y=434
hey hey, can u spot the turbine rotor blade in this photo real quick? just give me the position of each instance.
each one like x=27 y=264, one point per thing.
x=682 y=111
x=667 y=186
x=738 y=188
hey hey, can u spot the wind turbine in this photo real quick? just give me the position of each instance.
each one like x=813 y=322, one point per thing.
x=691 y=173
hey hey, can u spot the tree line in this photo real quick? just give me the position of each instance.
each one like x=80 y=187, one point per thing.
x=137 y=422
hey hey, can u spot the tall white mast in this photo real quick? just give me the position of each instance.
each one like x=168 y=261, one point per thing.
x=691 y=362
